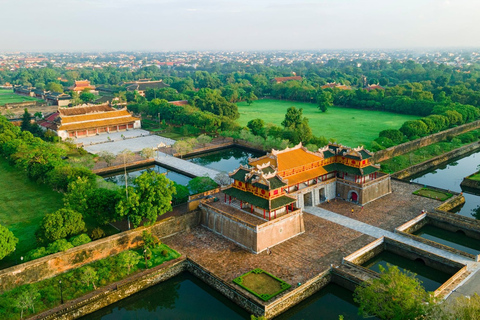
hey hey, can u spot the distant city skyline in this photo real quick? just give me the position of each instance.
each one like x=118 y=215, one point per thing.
x=232 y=25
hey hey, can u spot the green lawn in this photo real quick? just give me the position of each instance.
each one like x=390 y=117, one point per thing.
x=433 y=194
x=23 y=204
x=7 y=96
x=351 y=127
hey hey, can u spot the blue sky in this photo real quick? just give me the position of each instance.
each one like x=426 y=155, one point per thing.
x=162 y=25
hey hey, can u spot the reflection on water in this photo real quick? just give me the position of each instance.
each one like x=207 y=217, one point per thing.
x=226 y=160
x=456 y=240
x=330 y=302
x=431 y=278
x=181 y=297
x=449 y=176
x=119 y=177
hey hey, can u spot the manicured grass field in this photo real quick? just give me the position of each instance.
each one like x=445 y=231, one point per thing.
x=7 y=96
x=351 y=127
x=262 y=284
x=433 y=194
x=23 y=204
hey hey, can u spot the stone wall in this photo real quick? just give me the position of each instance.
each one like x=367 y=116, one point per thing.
x=406 y=147
x=121 y=167
x=227 y=289
x=255 y=238
x=61 y=262
x=117 y=291
x=295 y=296
x=426 y=165
x=452 y=203
x=366 y=192
x=430 y=259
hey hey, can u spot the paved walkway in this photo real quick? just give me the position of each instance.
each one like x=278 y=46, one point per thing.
x=103 y=137
x=185 y=166
x=133 y=144
x=378 y=232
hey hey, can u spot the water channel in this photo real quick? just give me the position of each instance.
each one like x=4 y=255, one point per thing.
x=450 y=175
x=119 y=177
x=431 y=278
x=454 y=240
x=226 y=160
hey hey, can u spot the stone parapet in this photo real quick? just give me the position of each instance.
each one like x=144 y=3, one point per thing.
x=54 y=264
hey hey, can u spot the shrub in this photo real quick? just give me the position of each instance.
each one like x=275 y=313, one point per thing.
x=80 y=239
x=59 y=245
x=36 y=253
x=97 y=233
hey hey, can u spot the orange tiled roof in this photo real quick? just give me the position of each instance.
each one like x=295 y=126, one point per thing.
x=306 y=175
x=95 y=116
x=295 y=158
x=97 y=124
x=283 y=79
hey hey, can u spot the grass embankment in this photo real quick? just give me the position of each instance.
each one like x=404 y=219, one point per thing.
x=433 y=194
x=7 y=96
x=108 y=270
x=426 y=153
x=475 y=177
x=351 y=127
x=23 y=204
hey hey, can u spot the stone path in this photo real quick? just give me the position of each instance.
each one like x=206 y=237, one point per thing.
x=184 y=166
x=378 y=232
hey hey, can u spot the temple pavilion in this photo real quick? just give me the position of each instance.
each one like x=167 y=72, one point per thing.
x=272 y=184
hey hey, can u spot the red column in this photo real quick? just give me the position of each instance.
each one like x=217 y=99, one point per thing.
x=291 y=206
x=241 y=203
x=286 y=207
x=251 y=208
x=268 y=215
x=263 y=213
x=275 y=212
x=229 y=199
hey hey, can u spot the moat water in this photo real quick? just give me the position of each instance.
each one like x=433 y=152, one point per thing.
x=187 y=297
x=119 y=177
x=226 y=160
x=449 y=176
x=431 y=278
x=454 y=240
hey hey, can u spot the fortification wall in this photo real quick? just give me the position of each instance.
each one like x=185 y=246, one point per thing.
x=61 y=262
x=394 y=151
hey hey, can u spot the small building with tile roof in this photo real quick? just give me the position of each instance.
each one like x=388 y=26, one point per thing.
x=82 y=85
x=285 y=79
x=87 y=120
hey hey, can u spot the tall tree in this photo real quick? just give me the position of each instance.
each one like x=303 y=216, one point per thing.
x=26 y=118
x=395 y=295
x=324 y=100
x=8 y=242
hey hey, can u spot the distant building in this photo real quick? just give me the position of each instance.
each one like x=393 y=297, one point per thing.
x=57 y=99
x=88 y=120
x=374 y=87
x=179 y=102
x=143 y=84
x=285 y=79
x=24 y=91
x=82 y=85
x=333 y=85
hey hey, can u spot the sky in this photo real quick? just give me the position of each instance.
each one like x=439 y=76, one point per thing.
x=246 y=25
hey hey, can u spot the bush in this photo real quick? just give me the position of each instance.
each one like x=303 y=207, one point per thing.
x=80 y=239
x=97 y=233
x=36 y=254
x=59 y=245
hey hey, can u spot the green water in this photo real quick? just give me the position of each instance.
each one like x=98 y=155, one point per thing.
x=327 y=304
x=119 y=177
x=454 y=240
x=226 y=160
x=181 y=297
x=431 y=278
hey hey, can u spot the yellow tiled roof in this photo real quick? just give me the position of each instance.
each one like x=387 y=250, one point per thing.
x=97 y=123
x=295 y=158
x=305 y=175
x=95 y=116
